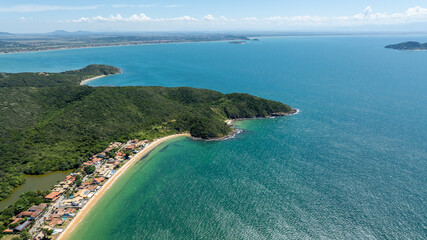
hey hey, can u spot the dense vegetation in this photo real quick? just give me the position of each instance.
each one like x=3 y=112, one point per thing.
x=55 y=79
x=409 y=46
x=25 y=201
x=58 y=127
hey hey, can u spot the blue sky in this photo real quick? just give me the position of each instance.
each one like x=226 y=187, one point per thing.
x=218 y=15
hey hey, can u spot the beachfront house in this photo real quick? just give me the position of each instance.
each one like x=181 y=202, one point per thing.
x=98 y=180
x=33 y=212
x=53 y=196
x=55 y=221
x=75 y=202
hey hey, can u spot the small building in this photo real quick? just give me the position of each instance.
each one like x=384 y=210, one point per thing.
x=70 y=178
x=55 y=221
x=22 y=226
x=53 y=196
x=96 y=161
x=15 y=220
x=130 y=147
x=98 y=180
x=74 y=202
x=33 y=212
x=87 y=163
x=8 y=231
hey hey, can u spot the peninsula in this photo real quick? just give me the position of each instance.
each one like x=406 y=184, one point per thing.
x=414 y=46
x=11 y=43
x=50 y=122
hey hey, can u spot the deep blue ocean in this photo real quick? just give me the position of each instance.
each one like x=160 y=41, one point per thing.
x=351 y=165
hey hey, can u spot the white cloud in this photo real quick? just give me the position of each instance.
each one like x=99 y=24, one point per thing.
x=366 y=17
x=251 y=19
x=42 y=8
x=132 y=5
x=367 y=11
x=184 y=18
x=24 y=19
x=209 y=17
x=134 y=18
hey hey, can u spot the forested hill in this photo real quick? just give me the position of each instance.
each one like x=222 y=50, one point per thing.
x=42 y=79
x=47 y=128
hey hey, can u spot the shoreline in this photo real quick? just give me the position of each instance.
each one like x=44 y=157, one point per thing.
x=90 y=79
x=118 y=45
x=236 y=131
x=84 y=82
x=92 y=202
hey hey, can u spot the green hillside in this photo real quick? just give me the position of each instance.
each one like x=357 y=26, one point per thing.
x=48 y=128
x=42 y=79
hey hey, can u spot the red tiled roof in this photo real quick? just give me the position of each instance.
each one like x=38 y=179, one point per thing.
x=96 y=159
x=98 y=180
x=69 y=177
x=53 y=195
x=15 y=220
x=55 y=221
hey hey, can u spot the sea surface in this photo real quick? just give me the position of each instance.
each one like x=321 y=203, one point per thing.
x=351 y=165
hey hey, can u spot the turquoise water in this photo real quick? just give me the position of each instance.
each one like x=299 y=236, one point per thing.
x=351 y=165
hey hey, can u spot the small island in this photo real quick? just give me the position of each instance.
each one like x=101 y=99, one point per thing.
x=411 y=45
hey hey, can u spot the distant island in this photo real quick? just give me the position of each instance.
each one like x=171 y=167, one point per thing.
x=10 y=43
x=408 y=46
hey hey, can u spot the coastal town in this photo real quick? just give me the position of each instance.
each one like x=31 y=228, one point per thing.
x=65 y=200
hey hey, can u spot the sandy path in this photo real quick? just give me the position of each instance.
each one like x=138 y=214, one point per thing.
x=82 y=213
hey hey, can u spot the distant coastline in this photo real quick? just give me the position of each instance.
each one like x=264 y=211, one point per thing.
x=92 y=202
x=111 y=45
x=103 y=46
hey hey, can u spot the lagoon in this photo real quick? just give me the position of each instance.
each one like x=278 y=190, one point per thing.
x=33 y=183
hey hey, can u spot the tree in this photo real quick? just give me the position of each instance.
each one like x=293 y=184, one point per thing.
x=25 y=235
x=89 y=169
x=78 y=180
x=127 y=153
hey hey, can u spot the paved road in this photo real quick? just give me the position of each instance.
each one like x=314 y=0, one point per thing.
x=39 y=221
